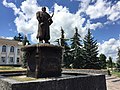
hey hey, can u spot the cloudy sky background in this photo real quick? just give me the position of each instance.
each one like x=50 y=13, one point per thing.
x=101 y=16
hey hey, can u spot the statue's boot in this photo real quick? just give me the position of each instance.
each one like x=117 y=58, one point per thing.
x=46 y=41
x=40 y=42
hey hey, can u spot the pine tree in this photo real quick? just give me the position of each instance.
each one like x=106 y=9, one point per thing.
x=118 y=60
x=90 y=52
x=63 y=41
x=76 y=39
x=58 y=41
x=109 y=62
x=102 y=59
x=76 y=50
x=67 y=56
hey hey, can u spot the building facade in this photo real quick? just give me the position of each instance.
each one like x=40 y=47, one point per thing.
x=10 y=52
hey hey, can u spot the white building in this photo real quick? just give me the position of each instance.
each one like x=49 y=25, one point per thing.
x=10 y=52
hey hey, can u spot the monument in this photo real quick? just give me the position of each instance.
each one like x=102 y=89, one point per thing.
x=43 y=59
x=44 y=64
x=44 y=21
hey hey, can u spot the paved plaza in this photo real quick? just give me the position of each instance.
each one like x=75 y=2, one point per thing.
x=113 y=83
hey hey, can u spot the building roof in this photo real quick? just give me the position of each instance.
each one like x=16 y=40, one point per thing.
x=8 y=42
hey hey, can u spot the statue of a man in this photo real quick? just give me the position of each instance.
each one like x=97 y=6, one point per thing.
x=45 y=20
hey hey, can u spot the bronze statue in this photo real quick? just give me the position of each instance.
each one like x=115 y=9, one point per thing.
x=45 y=20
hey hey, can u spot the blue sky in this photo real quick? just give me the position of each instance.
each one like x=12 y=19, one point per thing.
x=101 y=16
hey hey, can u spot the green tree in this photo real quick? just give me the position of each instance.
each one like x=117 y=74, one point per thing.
x=118 y=60
x=76 y=50
x=58 y=41
x=90 y=52
x=67 y=59
x=63 y=40
x=110 y=63
x=25 y=41
x=19 y=37
x=102 y=59
x=67 y=55
x=76 y=40
x=24 y=60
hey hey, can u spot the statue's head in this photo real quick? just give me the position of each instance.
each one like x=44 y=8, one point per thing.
x=44 y=9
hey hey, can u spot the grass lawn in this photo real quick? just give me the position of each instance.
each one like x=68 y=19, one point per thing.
x=116 y=73
x=25 y=78
x=10 y=68
x=22 y=78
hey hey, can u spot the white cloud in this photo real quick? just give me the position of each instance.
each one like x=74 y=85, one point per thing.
x=103 y=8
x=84 y=4
x=6 y=37
x=109 y=48
x=26 y=22
x=99 y=9
x=114 y=13
x=11 y=5
x=93 y=26
x=63 y=18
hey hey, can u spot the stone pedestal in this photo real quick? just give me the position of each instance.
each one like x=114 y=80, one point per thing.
x=44 y=60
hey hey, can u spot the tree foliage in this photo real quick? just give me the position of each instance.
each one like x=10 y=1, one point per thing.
x=66 y=49
x=76 y=50
x=22 y=39
x=102 y=59
x=58 y=41
x=75 y=40
x=110 y=62
x=90 y=52
x=19 y=37
x=83 y=55
x=77 y=53
x=25 y=41
x=118 y=60
x=24 y=60
x=63 y=40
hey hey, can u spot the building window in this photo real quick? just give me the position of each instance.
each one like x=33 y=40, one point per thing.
x=3 y=59
x=3 y=48
x=11 y=49
x=18 y=51
x=11 y=59
x=18 y=59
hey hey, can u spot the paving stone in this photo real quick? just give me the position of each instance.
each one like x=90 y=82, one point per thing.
x=113 y=83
